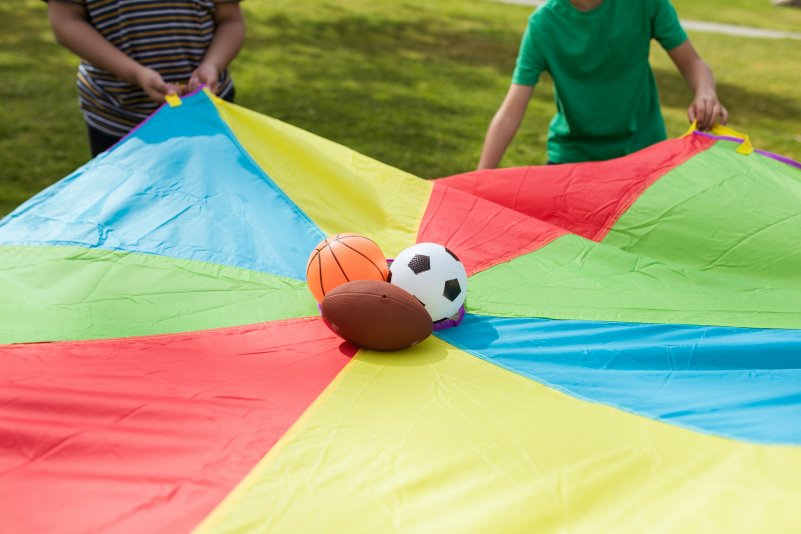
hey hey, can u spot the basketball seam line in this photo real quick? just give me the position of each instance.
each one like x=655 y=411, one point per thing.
x=313 y=256
x=320 y=270
x=333 y=255
x=365 y=257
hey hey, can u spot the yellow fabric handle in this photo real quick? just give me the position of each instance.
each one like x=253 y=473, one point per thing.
x=745 y=147
x=689 y=132
x=173 y=100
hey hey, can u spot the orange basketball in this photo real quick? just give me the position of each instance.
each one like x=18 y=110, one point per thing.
x=344 y=258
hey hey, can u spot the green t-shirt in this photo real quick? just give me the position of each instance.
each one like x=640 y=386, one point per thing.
x=606 y=97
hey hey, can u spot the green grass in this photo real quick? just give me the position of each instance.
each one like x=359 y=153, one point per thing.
x=412 y=83
x=757 y=13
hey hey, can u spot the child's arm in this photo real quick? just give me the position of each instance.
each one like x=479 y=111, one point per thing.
x=73 y=31
x=504 y=125
x=706 y=108
x=228 y=37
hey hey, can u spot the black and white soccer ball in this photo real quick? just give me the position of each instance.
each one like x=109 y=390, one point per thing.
x=434 y=275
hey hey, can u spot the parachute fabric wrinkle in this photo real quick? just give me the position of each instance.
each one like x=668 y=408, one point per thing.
x=183 y=206
x=686 y=374
x=350 y=192
x=74 y=293
x=156 y=429
x=485 y=234
x=571 y=196
x=628 y=359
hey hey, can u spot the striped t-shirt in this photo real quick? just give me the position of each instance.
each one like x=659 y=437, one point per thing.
x=169 y=36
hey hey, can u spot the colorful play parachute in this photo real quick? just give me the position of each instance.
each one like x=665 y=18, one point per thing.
x=630 y=360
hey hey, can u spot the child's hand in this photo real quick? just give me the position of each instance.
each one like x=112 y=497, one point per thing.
x=206 y=74
x=154 y=85
x=707 y=109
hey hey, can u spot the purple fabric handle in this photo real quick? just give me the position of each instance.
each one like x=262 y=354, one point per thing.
x=777 y=157
x=454 y=320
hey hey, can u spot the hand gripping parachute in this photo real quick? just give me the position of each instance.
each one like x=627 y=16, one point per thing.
x=629 y=360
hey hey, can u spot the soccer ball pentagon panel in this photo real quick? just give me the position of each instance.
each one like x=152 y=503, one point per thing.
x=434 y=275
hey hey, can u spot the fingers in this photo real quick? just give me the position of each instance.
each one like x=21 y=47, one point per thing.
x=210 y=82
x=173 y=89
x=697 y=112
x=714 y=113
x=717 y=112
x=207 y=75
x=156 y=94
x=152 y=84
x=192 y=84
x=158 y=85
x=159 y=97
x=724 y=115
x=157 y=89
x=707 y=110
x=704 y=114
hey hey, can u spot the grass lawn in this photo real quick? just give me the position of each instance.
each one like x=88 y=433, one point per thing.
x=759 y=13
x=411 y=83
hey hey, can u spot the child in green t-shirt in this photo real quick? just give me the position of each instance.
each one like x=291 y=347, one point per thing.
x=606 y=98
x=135 y=53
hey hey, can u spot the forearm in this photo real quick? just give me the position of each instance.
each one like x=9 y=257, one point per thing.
x=504 y=125
x=700 y=78
x=705 y=109
x=693 y=69
x=501 y=131
x=80 y=37
x=228 y=38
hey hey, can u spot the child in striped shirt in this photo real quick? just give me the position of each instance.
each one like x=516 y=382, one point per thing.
x=135 y=52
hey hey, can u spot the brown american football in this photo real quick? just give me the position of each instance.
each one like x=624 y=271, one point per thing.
x=376 y=315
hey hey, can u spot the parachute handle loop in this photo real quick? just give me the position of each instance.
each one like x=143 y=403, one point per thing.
x=745 y=147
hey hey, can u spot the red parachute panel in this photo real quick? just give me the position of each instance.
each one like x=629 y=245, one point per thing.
x=157 y=429
x=583 y=198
